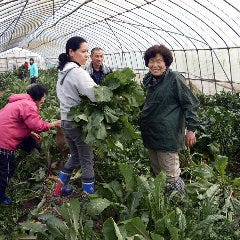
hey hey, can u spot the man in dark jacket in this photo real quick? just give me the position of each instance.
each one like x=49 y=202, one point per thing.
x=169 y=116
x=96 y=68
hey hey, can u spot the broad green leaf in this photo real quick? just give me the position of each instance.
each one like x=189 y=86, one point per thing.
x=156 y=236
x=57 y=228
x=90 y=138
x=72 y=113
x=110 y=115
x=34 y=227
x=81 y=117
x=129 y=176
x=135 y=95
x=102 y=94
x=96 y=118
x=212 y=191
x=214 y=148
x=119 y=145
x=221 y=164
x=97 y=205
x=111 y=230
x=136 y=226
x=133 y=203
x=116 y=190
x=181 y=219
x=101 y=132
x=71 y=213
x=111 y=82
x=203 y=171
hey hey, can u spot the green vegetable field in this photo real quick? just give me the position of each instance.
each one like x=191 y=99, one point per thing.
x=129 y=202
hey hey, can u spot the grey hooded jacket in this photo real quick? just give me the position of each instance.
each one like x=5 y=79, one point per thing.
x=73 y=81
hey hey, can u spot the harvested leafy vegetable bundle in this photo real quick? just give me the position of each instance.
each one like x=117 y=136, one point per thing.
x=113 y=117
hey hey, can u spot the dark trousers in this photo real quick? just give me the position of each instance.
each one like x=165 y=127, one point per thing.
x=7 y=167
x=33 y=80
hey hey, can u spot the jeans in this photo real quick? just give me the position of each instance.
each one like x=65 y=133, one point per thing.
x=81 y=153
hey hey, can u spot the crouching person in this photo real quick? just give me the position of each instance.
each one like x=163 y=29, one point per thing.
x=18 y=120
x=168 y=117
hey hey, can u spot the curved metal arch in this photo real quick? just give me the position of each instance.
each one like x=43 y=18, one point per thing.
x=203 y=38
x=136 y=7
x=154 y=24
x=56 y=22
x=97 y=36
x=201 y=21
x=230 y=80
x=218 y=17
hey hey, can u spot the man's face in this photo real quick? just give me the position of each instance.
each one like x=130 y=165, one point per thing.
x=157 y=65
x=97 y=57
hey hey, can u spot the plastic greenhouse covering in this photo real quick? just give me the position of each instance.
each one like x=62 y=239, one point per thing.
x=204 y=35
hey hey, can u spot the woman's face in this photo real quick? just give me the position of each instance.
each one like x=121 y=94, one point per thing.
x=80 y=55
x=157 y=65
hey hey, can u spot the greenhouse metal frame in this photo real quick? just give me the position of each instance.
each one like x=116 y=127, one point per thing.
x=204 y=35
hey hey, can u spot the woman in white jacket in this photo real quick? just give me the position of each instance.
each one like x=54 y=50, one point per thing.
x=74 y=81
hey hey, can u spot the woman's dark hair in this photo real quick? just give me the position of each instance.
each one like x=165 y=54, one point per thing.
x=73 y=43
x=37 y=91
x=162 y=50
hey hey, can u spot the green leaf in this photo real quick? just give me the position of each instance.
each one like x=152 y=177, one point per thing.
x=116 y=190
x=119 y=145
x=101 y=132
x=136 y=226
x=135 y=95
x=57 y=228
x=221 y=164
x=110 y=115
x=81 y=117
x=156 y=237
x=134 y=202
x=72 y=113
x=111 y=82
x=71 y=213
x=181 y=219
x=95 y=119
x=34 y=227
x=129 y=176
x=102 y=94
x=97 y=205
x=111 y=230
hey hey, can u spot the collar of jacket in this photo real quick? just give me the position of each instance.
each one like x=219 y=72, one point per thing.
x=103 y=68
x=147 y=80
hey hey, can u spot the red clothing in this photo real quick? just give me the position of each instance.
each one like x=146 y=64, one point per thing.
x=18 y=119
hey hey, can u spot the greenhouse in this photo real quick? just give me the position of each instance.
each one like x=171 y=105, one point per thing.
x=129 y=200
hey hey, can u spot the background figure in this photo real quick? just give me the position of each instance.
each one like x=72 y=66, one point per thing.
x=33 y=71
x=23 y=70
x=97 y=70
x=169 y=110
x=73 y=82
x=18 y=120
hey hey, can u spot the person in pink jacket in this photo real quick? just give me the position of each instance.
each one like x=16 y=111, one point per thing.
x=19 y=119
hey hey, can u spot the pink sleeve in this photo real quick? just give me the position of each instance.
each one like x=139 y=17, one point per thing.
x=33 y=120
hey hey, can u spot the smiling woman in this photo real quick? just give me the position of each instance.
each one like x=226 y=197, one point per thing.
x=168 y=105
x=74 y=81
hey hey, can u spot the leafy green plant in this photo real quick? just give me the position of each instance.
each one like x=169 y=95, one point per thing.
x=110 y=118
x=72 y=225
